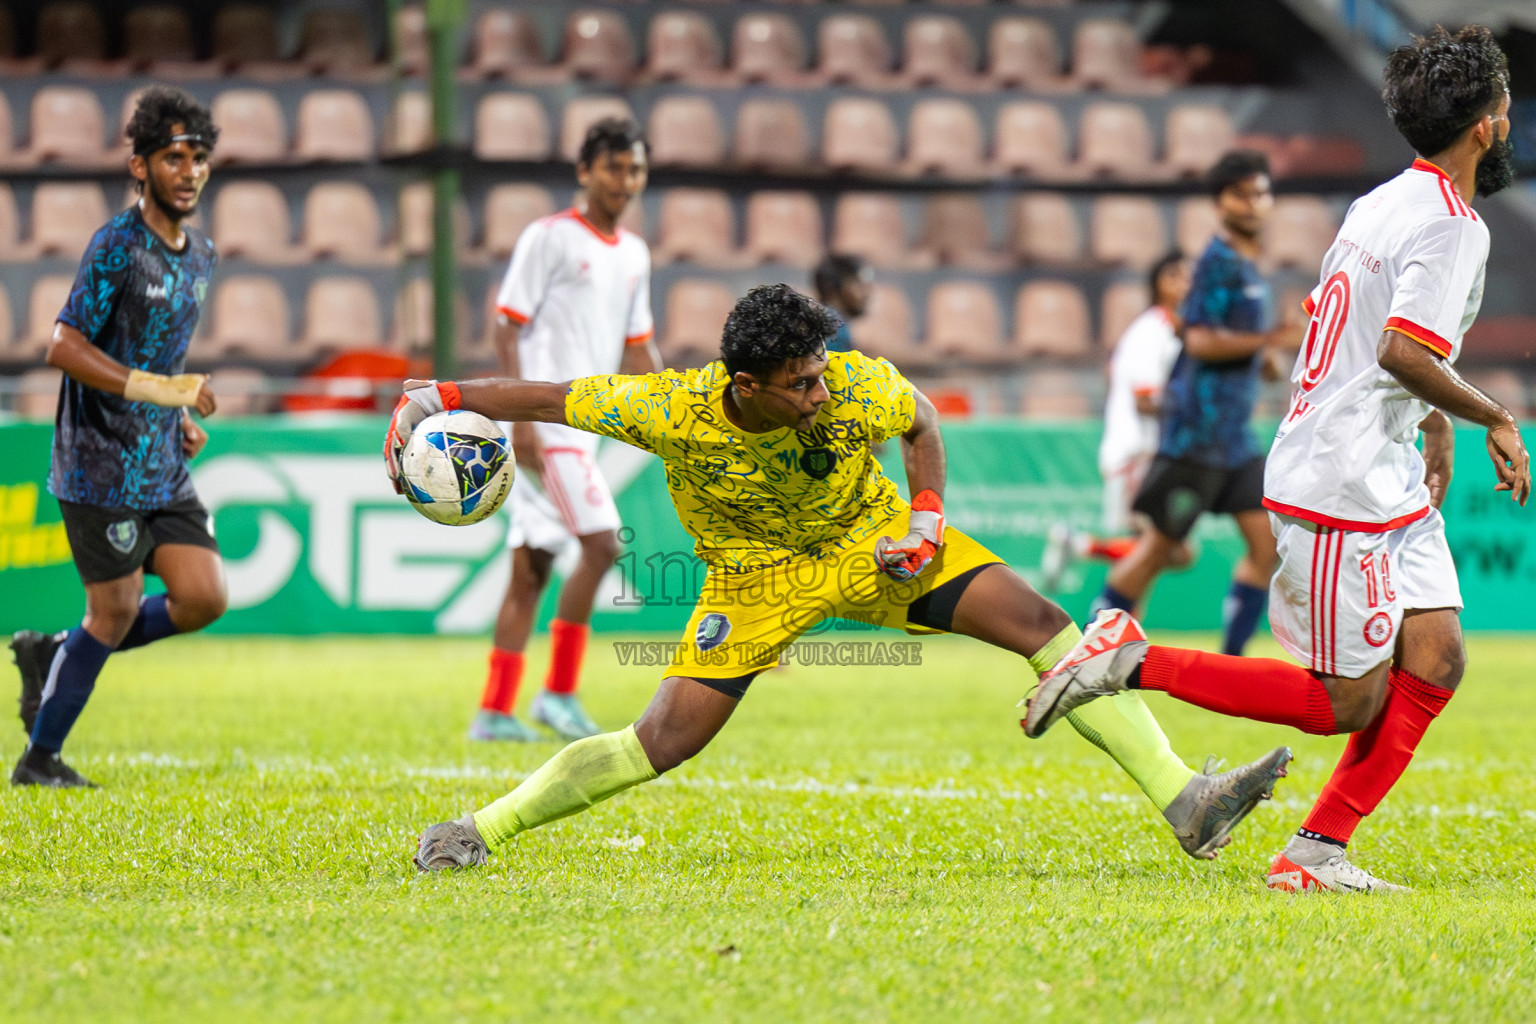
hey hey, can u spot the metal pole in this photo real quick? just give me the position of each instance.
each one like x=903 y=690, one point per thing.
x=443 y=20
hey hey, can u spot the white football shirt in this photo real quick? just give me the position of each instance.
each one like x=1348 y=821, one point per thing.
x=1140 y=365
x=1409 y=257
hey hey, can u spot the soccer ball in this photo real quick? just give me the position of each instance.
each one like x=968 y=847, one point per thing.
x=456 y=468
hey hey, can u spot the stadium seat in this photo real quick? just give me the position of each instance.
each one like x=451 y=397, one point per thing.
x=1115 y=141
x=250 y=316
x=682 y=46
x=597 y=47
x=859 y=135
x=7 y=329
x=508 y=210
x=886 y=329
x=251 y=127
x=1051 y=318
x=1106 y=54
x=1299 y=232
x=410 y=124
x=1054 y=395
x=1031 y=140
x=335 y=43
x=783 y=227
x=505 y=44
x=684 y=131
x=1126 y=231
x=1503 y=385
x=944 y=138
x=511 y=126
x=413 y=226
x=767 y=48
x=11 y=249
x=9 y=156
x=771 y=135
x=1123 y=302
x=341 y=312
x=68 y=127
x=250 y=221
x=871 y=225
x=44 y=302
x=342 y=222
x=158 y=37
x=964 y=322
x=1318 y=155
x=956 y=232
x=939 y=53
x=695 y=315
x=245 y=36
x=1043 y=229
x=71 y=36
x=582 y=113
x=1195 y=221
x=696 y=225
x=1022 y=54
x=411 y=327
x=853 y=50
x=64 y=217
x=38 y=394
x=412 y=49
x=1194 y=138
x=333 y=124
x=243 y=391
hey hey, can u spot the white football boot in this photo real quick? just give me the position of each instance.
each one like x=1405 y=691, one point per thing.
x=1098 y=666
x=1306 y=865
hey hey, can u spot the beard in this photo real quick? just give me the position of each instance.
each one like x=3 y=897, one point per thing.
x=1496 y=171
x=167 y=207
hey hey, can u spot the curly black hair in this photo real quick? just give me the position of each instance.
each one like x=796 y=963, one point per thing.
x=1235 y=166
x=159 y=109
x=771 y=325
x=611 y=135
x=1440 y=85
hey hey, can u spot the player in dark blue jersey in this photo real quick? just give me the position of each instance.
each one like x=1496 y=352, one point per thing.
x=843 y=284
x=124 y=433
x=1208 y=459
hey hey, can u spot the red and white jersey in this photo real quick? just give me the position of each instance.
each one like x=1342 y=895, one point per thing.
x=1143 y=358
x=1410 y=258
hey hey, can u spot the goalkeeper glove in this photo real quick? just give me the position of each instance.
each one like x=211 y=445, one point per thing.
x=903 y=559
x=422 y=398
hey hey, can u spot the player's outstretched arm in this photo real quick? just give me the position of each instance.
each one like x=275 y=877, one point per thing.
x=72 y=352
x=1428 y=376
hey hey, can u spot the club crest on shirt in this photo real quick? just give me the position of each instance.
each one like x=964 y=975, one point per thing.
x=712 y=631
x=123 y=535
x=817 y=462
x=1378 y=629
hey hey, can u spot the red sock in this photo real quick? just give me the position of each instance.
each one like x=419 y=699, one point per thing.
x=1113 y=549
x=506 y=671
x=1376 y=756
x=1263 y=689
x=567 y=644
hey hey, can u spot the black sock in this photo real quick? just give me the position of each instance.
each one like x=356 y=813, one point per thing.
x=1318 y=837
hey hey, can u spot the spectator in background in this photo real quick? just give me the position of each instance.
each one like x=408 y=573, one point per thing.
x=843 y=283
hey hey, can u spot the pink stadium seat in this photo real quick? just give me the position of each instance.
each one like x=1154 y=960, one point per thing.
x=505 y=44
x=955 y=231
x=342 y=222
x=771 y=135
x=853 y=51
x=1195 y=136
x=1127 y=231
x=340 y=313
x=508 y=210
x=696 y=311
x=1123 y=302
x=68 y=126
x=7 y=327
x=250 y=221
x=250 y=316
x=1022 y=54
x=412 y=52
x=597 y=47
x=1504 y=385
x=243 y=391
x=1195 y=221
x=1051 y=318
x=683 y=47
x=69 y=32
x=1317 y=155
x=251 y=127
x=944 y=138
x=1031 y=139
x=333 y=124
x=964 y=321
x=1105 y=54
x=245 y=34
x=696 y=225
x=870 y=224
x=783 y=227
x=767 y=48
x=886 y=329
x=1299 y=233
x=11 y=249
x=157 y=34
x=859 y=135
x=685 y=131
x=414 y=226
x=1115 y=141
x=939 y=53
x=335 y=43
x=9 y=156
x=511 y=126
x=582 y=113
x=411 y=327
x=1054 y=395
x=410 y=124
x=1044 y=229
x=47 y=298
x=64 y=217
x=39 y=397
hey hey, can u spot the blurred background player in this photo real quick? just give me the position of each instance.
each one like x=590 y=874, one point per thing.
x=124 y=433
x=843 y=282
x=1138 y=372
x=1208 y=459
x=575 y=302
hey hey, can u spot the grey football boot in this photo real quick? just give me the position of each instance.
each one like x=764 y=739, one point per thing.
x=450 y=844
x=1206 y=811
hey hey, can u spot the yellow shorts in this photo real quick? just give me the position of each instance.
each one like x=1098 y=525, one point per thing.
x=743 y=622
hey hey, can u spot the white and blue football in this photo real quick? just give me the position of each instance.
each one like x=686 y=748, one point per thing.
x=457 y=467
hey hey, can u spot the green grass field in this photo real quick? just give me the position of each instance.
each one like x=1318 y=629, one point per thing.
x=859 y=844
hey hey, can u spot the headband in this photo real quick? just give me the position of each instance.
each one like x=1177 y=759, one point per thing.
x=155 y=145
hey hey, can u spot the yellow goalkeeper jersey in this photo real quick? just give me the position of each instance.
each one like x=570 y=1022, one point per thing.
x=756 y=500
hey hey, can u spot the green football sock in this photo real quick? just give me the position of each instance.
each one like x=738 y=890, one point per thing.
x=1123 y=728
x=584 y=773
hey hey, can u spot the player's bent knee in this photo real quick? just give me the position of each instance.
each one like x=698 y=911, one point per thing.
x=600 y=548
x=665 y=751
x=1357 y=702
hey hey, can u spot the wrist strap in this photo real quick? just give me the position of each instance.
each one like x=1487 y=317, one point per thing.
x=179 y=391
x=451 y=396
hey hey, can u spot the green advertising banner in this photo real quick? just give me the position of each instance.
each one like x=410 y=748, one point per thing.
x=316 y=542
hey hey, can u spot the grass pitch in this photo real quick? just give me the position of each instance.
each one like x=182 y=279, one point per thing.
x=859 y=844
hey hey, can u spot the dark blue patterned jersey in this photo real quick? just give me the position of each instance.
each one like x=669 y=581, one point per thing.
x=1207 y=404
x=137 y=300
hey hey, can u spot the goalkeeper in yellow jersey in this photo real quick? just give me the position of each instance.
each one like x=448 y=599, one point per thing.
x=769 y=461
